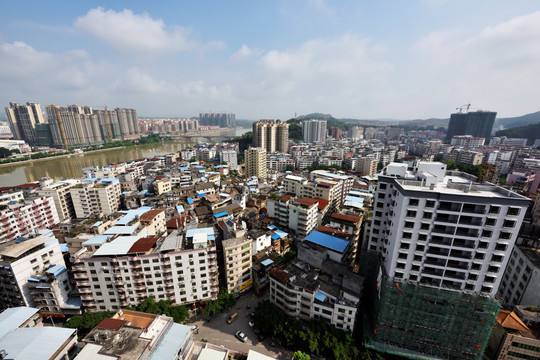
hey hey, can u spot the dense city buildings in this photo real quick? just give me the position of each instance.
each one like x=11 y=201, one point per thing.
x=474 y=123
x=271 y=135
x=255 y=159
x=222 y=119
x=314 y=131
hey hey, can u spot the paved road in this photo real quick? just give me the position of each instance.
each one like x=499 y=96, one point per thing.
x=218 y=332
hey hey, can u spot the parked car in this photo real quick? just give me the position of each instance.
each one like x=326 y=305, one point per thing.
x=252 y=315
x=241 y=336
x=251 y=323
x=232 y=318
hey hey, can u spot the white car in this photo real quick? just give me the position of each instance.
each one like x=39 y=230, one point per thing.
x=241 y=336
x=251 y=323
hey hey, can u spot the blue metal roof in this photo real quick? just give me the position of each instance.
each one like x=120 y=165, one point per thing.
x=328 y=241
x=320 y=296
x=97 y=240
x=275 y=236
x=12 y=318
x=209 y=231
x=172 y=342
x=272 y=227
x=221 y=214
x=190 y=201
x=64 y=248
x=280 y=233
x=200 y=195
x=267 y=262
x=56 y=270
x=132 y=214
x=180 y=209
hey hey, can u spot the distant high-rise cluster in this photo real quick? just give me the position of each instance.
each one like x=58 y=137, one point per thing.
x=23 y=120
x=474 y=123
x=271 y=135
x=72 y=125
x=223 y=120
x=314 y=131
x=168 y=126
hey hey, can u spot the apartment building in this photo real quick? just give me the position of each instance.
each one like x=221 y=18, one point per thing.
x=511 y=338
x=314 y=131
x=154 y=221
x=296 y=214
x=96 y=196
x=112 y=272
x=230 y=157
x=443 y=230
x=323 y=189
x=318 y=285
x=59 y=191
x=271 y=135
x=255 y=159
x=26 y=217
x=467 y=141
x=237 y=264
x=366 y=166
x=349 y=224
x=520 y=284
x=20 y=261
x=344 y=182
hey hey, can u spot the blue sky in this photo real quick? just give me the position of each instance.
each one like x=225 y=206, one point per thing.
x=272 y=59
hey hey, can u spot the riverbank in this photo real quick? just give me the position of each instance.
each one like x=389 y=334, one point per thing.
x=15 y=163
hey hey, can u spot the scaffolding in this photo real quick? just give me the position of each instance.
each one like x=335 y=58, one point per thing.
x=419 y=322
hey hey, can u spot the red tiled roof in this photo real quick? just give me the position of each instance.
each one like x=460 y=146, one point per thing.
x=111 y=324
x=309 y=201
x=334 y=232
x=285 y=198
x=509 y=320
x=350 y=218
x=280 y=275
x=159 y=177
x=267 y=220
x=28 y=186
x=150 y=215
x=143 y=245
x=172 y=223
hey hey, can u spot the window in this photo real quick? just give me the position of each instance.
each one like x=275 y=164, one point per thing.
x=430 y=203
x=409 y=224
x=427 y=215
x=494 y=209
x=411 y=213
x=512 y=211
x=504 y=235
x=424 y=226
x=509 y=223
x=422 y=237
x=404 y=246
x=382 y=186
x=487 y=233
x=407 y=235
x=413 y=202
x=491 y=221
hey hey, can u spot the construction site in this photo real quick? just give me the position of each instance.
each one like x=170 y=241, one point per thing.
x=419 y=322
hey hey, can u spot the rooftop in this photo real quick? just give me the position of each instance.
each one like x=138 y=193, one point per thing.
x=150 y=215
x=348 y=218
x=35 y=342
x=327 y=241
x=12 y=318
x=16 y=250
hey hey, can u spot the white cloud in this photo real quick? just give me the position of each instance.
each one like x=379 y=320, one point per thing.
x=495 y=69
x=245 y=52
x=136 y=34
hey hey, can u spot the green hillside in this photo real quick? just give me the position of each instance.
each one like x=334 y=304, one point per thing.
x=530 y=132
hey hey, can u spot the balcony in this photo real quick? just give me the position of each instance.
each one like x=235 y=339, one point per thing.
x=85 y=290
x=83 y=283
x=437 y=251
x=119 y=283
x=435 y=262
x=455 y=275
x=80 y=275
x=447 y=218
x=469 y=244
x=458 y=265
x=87 y=297
x=467 y=232
x=461 y=254
x=439 y=240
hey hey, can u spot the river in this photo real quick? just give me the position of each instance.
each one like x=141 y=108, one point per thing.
x=71 y=167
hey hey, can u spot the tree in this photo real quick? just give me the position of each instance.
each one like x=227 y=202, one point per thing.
x=4 y=152
x=451 y=165
x=224 y=163
x=298 y=355
x=380 y=166
x=193 y=159
x=86 y=322
x=289 y=168
x=438 y=157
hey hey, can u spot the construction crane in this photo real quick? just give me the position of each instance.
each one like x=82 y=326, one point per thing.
x=108 y=123
x=460 y=109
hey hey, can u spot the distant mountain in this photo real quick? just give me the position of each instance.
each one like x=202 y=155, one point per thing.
x=500 y=123
x=530 y=132
x=507 y=123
